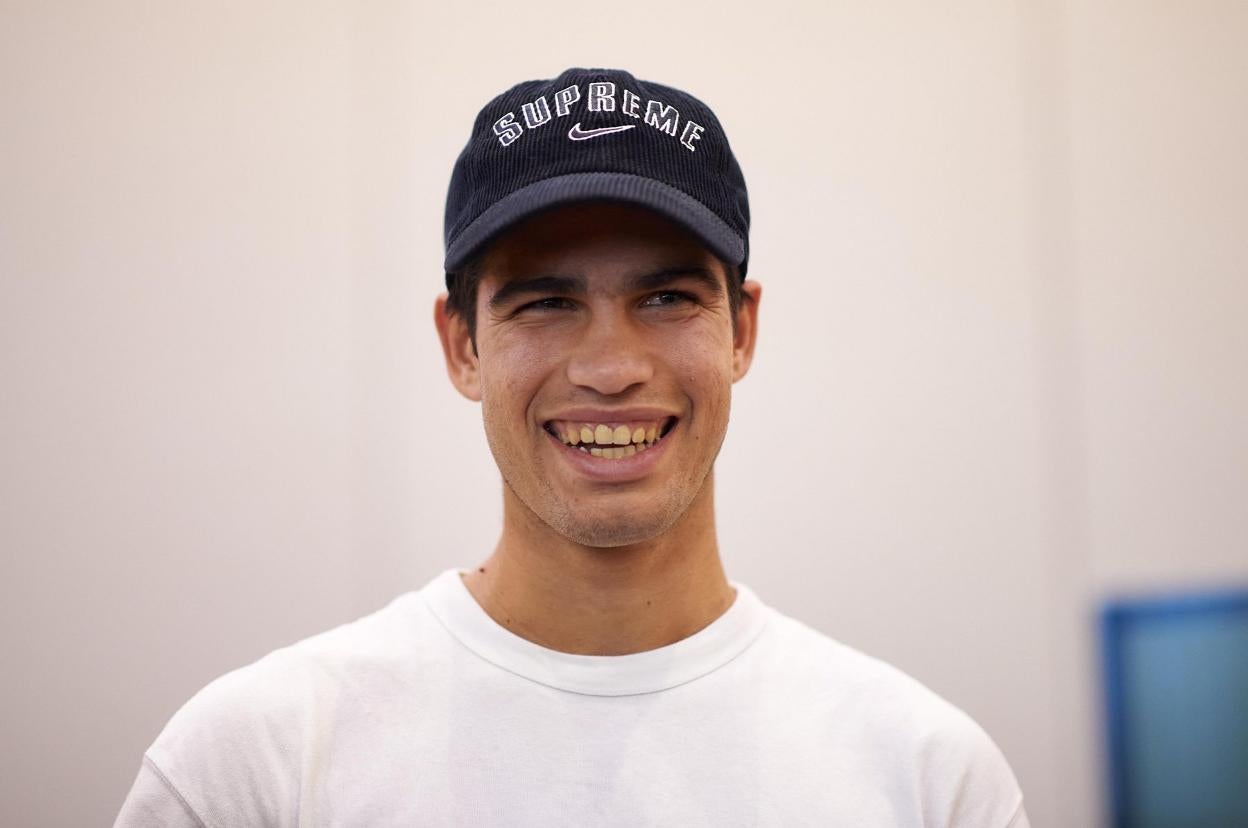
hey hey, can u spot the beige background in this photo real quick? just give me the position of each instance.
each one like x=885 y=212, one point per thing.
x=1001 y=372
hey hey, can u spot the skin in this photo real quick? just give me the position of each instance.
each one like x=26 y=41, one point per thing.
x=585 y=566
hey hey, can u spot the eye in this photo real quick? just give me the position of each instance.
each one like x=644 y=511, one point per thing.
x=679 y=298
x=549 y=303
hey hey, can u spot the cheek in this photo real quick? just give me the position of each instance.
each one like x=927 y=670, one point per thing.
x=703 y=361
x=512 y=375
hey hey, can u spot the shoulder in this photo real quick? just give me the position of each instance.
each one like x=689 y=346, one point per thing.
x=292 y=678
x=929 y=748
x=246 y=738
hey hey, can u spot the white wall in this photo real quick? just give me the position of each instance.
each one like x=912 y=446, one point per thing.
x=1002 y=252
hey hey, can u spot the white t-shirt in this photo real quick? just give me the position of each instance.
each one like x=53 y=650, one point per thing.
x=428 y=712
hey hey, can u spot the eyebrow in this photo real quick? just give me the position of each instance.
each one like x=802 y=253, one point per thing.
x=578 y=285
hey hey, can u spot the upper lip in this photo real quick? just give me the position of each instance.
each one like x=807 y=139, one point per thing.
x=605 y=415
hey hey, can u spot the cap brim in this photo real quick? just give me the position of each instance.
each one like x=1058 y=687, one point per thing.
x=663 y=198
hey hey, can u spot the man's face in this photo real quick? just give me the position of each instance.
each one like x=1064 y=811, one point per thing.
x=623 y=334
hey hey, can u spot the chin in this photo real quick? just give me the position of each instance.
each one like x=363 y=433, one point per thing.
x=612 y=533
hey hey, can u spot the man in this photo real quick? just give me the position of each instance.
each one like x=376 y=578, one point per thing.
x=598 y=668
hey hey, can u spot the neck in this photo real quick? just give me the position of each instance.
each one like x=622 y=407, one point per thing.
x=603 y=601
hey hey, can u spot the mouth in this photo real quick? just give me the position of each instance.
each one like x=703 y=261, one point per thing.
x=610 y=441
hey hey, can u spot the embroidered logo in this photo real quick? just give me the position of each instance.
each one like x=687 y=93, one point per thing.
x=578 y=134
x=599 y=97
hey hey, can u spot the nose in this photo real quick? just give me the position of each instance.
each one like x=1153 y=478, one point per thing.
x=611 y=355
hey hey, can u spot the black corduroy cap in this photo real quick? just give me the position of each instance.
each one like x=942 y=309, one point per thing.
x=596 y=135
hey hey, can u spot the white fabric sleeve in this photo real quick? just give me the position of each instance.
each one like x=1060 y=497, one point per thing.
x=1020 y=818
x=154 y=803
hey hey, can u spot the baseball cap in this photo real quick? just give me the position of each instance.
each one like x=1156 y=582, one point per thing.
x=596 y=135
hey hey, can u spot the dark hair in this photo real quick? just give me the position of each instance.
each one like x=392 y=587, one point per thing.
x=461 y=297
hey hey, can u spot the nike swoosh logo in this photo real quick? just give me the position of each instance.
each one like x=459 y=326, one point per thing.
x=578 y=134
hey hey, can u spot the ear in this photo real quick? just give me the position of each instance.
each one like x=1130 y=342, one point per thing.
x=462 y=365
x=747 y=329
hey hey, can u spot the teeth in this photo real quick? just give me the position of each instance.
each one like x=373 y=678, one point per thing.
x=611 y=442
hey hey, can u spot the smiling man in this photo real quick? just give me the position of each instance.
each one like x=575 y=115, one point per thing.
x=598 y=667
x=603 y=350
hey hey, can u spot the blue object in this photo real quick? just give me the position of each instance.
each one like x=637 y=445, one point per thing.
x=1176 y=697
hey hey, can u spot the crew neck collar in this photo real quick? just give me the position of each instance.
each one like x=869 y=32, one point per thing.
x=650 y=671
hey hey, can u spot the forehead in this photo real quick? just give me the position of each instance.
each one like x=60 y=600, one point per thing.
x=599 y=241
